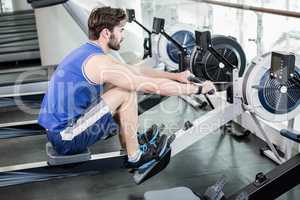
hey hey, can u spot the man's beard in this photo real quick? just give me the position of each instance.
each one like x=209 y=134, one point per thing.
x=113 y=43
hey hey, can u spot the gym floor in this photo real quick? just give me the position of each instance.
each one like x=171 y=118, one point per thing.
x=197 y=167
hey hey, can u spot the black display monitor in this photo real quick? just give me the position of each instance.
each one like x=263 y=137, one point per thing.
x=282 y=65
x=158 y=25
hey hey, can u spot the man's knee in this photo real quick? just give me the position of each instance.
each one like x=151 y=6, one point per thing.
x=118 y=97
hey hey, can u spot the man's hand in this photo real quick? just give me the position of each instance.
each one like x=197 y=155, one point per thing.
x=183 y=76
x=208 y=86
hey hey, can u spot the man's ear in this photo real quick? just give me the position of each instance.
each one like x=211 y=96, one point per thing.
x=106 y=33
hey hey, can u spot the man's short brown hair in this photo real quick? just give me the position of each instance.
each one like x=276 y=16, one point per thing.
x=104 y=17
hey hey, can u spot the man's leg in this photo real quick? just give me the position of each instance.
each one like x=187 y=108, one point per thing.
x=124 y=104
x=121 y=134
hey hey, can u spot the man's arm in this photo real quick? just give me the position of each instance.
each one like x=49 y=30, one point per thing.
x=154 y=73
x=150 y=72
x=143 y=70
x=103 y=69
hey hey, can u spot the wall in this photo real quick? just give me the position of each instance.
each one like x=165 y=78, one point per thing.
x=20 y=5
x=59 y=33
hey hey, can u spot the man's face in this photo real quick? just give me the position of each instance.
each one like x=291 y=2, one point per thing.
x=116 y=37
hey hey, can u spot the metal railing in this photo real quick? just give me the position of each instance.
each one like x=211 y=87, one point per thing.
x=286 y=13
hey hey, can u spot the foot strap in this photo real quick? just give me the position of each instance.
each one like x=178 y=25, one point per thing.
x=143 y=174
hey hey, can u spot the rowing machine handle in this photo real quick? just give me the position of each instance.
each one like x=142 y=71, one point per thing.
x=200 y=81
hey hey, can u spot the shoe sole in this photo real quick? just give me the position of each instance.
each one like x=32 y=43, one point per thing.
x=154 y=169
x=168 y=143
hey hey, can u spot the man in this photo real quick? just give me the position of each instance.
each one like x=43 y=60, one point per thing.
x=77 y=112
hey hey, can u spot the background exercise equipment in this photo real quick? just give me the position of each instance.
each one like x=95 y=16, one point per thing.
x=207 y=65
x=286 y=176
x=158 y=28
x=147 y=41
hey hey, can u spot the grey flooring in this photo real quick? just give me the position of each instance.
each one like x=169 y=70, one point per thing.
x=197 y=167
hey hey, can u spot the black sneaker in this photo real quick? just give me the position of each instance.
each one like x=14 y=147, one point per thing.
x=151 y=135
x=151 y=154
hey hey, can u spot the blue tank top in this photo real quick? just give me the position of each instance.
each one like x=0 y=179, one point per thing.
x=69 y=92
